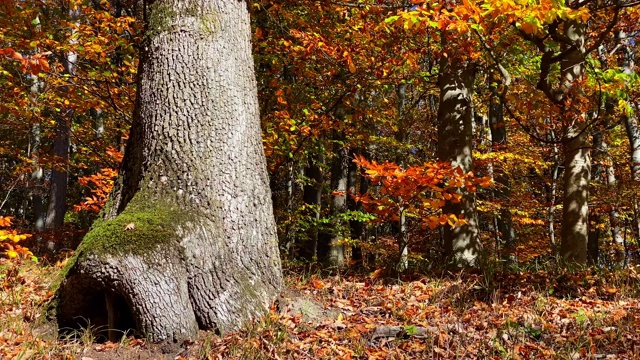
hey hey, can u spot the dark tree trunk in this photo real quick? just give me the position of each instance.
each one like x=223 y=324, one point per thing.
x=503 y=191
x=312 y=196
x=187 y=239
x=356 y=227
x=59 y=177
x=59 y=173
x=455 y=142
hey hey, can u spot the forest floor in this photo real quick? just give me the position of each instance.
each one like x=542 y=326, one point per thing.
x=531 y=314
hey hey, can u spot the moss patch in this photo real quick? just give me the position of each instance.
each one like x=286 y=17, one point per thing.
x=140 y=229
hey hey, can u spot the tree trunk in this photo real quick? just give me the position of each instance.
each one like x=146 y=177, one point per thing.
x=551 y=197
x=187 y=238
x=332 y=252
x=577 y=157
x=599 y=152
x=59 y=178
x=503 y=191
x=312 y=197
x=358 y=228
x=401 y=234
x=575 y=211
x=455 y=142
x=59 y=173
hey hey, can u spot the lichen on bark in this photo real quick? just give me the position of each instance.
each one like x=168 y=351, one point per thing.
x=164 y=16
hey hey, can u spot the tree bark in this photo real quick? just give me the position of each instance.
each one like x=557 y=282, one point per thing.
x=331 y=251
x=187 y=239
x=59 y=178
x=59 y=172
x=577 y=157
x=455 y=143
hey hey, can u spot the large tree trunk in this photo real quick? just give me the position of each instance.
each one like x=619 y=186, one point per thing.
x=187 y=238
x=455 y=143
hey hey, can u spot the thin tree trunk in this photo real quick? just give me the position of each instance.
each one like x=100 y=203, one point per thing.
x=401 y=138
x=312 y=197
x=503 y=190
x=59 y=176
x=551 y=198
x=599 y=152
x=59 y=173
x=332 y=252
x=633 y=133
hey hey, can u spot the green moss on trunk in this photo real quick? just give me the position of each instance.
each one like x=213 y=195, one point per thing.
x=140 y=229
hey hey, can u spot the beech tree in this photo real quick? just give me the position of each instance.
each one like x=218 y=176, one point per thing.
x=187 y=239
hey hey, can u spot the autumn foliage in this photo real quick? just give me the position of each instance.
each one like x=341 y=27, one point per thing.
x=9 y=239
x=419 y=191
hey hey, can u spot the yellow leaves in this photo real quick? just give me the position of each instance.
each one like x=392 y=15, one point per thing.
x=443 y=219
x=9 y=238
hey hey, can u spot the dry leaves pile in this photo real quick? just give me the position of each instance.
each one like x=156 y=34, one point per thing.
x=529 y=315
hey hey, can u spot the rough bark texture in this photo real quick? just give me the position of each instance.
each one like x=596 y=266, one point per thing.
x=455 y=142
x=575 y=211
x=577 y=157
x=188 y=237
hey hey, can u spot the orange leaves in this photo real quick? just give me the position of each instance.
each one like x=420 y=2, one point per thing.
x=100 y=185
x=418 y=191
x=32 y=65
x=9 y=239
